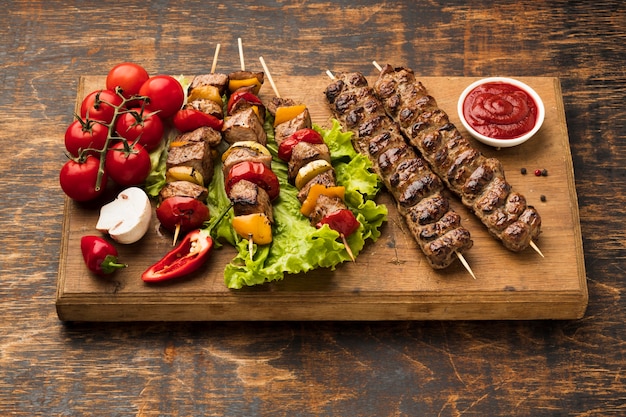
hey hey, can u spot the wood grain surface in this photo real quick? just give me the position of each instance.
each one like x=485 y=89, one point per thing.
x=308 y=368
x=390 y=280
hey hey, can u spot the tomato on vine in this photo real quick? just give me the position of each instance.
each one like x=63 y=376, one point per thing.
x=100 y=105
x=79 y=179
x=83 y=134
x=139 y=124
x=165 y=95
x=127 y=163
x=128 y=76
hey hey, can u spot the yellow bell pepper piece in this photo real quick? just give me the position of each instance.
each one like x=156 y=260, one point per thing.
x=320 y=189
x=234 y=85
x=286 y=113
x=208 y=92
x=184 y=173
x=255 y=146
x=255 y=227
x=310 y=171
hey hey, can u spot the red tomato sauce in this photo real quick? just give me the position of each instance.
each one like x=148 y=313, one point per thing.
x=500 y=110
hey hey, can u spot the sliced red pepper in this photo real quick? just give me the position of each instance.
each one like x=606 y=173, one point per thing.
x=186 y=213
x=303 y=135
x=255 y=172
x=186 y=258
x=187 y=120
x=243 y=94
x=342 y=221
x=100 y=256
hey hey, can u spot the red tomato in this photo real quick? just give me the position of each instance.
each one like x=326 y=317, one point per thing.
x=146 y=126
x=184 y=212
x=187 y=120
x=100 y=105
x=128 y=76
x=165 y=95
x=78 y=179
x=127 y=164
x=82 y=134
x=255 y=172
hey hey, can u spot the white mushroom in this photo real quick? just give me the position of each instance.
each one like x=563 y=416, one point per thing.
x=127 y=218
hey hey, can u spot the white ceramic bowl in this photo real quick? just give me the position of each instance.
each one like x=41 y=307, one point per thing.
x=503 y=143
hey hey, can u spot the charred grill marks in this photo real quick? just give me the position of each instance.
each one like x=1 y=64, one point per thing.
x=416 y=189
x=477 y=180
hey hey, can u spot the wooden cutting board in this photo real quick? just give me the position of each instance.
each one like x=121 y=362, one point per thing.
x=390 y=279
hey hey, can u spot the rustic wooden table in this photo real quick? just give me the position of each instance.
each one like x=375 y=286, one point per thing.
x=486 y=368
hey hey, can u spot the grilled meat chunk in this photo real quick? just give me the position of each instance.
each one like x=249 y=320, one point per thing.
x=215 y=79
x=183 y=189
x=206 y=106
x=197 y=155
x=327 y=178
x=479 y=181
x=249 y=198
x=241 y=154
x=303 y=153
x=418 y=192
x=202 y=134
x=284 y=130
x=242 y=126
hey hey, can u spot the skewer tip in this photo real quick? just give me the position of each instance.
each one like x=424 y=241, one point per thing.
x=465 y=264
x=378 y=67
x=330 y=75
x=536 y=248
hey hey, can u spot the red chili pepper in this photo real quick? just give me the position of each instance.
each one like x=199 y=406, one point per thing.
x=303 y=135
x=184 y=259
x=187 y=120
x=100 y=256
x=245 y=95
x=255 y=172
x=186 y=213
x=343 y=221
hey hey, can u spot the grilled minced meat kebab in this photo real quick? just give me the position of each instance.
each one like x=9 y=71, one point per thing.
x=417 y=190
x=479 y=181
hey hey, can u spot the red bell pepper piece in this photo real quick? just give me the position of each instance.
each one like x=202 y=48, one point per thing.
x=343 y=221
x=303 y=135
x=100 y=256
x=245 y=95
x=187 y=120
x=187 y=257
x=255 y=172
x=185 y=213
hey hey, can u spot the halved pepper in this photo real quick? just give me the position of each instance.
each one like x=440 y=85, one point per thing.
x=255 y=172
x=244 y=95
x=234 y=85
x=207 y=92
x=186 y=258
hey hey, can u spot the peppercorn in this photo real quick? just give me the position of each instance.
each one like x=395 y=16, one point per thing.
x=543 y=198
x=544 y=172
x=537 y=172
x=523 y=171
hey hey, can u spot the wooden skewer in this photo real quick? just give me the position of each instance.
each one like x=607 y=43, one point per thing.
x=269 y=76
x=243 y=65
x=217 y=52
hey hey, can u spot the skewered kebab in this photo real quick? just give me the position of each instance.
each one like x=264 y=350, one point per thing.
x=417 y=190
x=479 y=181
x=250 y=183
x=309 y=166
x=190 y=158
